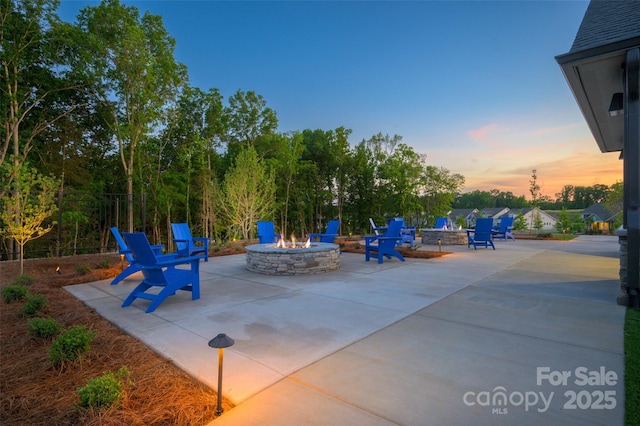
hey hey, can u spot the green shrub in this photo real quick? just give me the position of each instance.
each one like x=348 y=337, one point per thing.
x=83 y=269
x=71 y=345
x=43 y=327
x=24 y=280
x=104 y=391
x=35 y=304
x=104 y=264
x=14 y=293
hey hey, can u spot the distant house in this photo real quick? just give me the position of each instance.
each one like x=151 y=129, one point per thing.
x=598 y=218
x=469 y=215
x=497 y=213
x=548 y=220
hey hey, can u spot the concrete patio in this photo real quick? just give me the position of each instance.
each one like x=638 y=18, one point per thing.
x=476 y=337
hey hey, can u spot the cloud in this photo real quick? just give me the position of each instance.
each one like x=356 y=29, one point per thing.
x=581 y=169
x=487 y=135
x=502 y=156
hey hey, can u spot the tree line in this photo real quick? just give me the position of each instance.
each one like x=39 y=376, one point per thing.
x=102 y=106
x=571 y=197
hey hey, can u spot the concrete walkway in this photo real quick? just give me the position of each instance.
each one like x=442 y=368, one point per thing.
x=527 y=334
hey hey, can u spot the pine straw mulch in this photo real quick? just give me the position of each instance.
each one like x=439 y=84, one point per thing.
x=34 y=392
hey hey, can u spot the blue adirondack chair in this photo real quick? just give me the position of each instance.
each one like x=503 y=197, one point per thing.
x=504 y=230
x=126 y=251
x=267 y=233
x=384 y=245
x=407 y=233
x=188 y=245
x=441 y=222
x=330 y=235
x=481 y=235
x=377 y=229
x=159 y=272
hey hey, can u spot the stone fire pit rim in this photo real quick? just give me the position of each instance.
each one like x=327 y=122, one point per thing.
x=271 y=248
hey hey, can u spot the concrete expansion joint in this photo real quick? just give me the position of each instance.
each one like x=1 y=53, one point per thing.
x=332 y=395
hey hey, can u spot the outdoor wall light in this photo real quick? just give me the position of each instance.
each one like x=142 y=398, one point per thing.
x=220 y=342
x=616 y=107
x=439 y=245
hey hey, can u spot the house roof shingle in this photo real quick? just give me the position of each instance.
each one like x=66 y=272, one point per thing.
x=598 y=210
x=607 y=22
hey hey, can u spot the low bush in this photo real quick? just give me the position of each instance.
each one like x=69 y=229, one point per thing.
x=14 y=293
x=24 y=280
x=71 y=345
x=83 y=269
x=104 y=264
x=35 y=304
x=43 y=328
x=105 y=391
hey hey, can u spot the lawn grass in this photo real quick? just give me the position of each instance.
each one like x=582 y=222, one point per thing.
x=561 y=236
x=632 y=367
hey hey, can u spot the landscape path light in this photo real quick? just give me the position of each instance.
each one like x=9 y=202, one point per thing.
x=220 y=342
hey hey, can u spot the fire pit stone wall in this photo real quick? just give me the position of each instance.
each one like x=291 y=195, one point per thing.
x=446 y=237
x=270 y=260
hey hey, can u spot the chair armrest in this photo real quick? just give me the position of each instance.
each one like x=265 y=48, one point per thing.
x=322 y=235
x=169 y=256
x=157 y=249
x=381 y=238
x=172 y=260
x=370 y=239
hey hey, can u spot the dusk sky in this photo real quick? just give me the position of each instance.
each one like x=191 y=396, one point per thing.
x=473 y=85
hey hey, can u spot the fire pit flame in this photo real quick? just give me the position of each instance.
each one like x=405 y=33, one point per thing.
x=281 y=243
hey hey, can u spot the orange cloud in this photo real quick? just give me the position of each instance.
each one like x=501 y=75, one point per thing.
x=487 y=135
x=579 y=170
x=505 y=156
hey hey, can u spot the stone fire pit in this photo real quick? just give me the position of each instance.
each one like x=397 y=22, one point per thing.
x=271 y=260
x=446 y=236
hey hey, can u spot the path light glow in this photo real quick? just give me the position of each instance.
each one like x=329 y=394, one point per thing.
x=220 y=342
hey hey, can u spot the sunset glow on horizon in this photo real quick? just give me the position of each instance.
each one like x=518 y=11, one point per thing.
x=499 y=157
